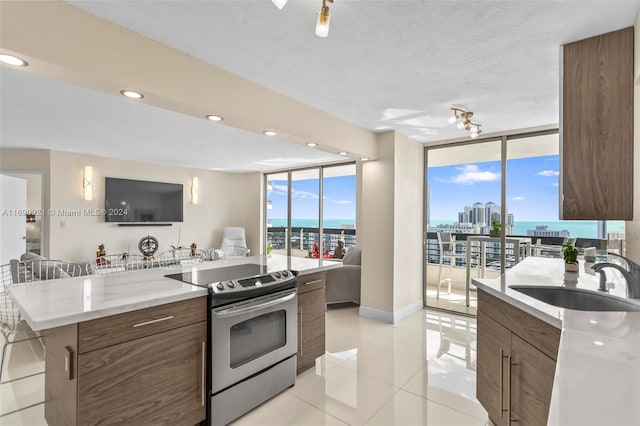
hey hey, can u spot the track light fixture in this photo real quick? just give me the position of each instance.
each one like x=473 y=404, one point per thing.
x=324 y=18
x=463 y=118
x=476 y=131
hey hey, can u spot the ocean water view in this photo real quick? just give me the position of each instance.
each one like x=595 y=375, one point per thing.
x=576 y=228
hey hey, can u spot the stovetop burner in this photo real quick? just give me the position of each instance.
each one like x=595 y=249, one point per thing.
x=236 y=281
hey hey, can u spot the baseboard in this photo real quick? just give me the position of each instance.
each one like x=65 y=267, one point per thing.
x=376 y=314
x=408 y=310
x=390 y=317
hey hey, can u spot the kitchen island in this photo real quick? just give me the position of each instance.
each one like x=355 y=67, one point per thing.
x=133 y=347
x=596 y=379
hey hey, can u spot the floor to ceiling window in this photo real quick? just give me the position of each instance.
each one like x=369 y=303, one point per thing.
x=464 y=198
x=299 y=201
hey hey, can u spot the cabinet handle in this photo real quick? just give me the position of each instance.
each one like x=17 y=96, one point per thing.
x=511 y=364
x=202 y=376
x=502 y=357
x=140 y=324
x=313 y=282
x=68 y=362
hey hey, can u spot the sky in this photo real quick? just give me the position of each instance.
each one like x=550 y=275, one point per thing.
x=532 y=191
x=339 y=198
x=532 y=188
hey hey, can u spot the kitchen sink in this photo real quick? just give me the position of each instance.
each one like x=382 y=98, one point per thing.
x=577 y=299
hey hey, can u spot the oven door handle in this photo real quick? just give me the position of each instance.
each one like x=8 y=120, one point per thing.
x=232 y=312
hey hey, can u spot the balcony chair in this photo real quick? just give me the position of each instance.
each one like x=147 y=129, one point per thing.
x=343 y=284
x=447 y=246
x=234 y=244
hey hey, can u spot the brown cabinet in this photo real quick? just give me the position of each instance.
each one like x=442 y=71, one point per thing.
x=597 y=127
x=311 y=325
x=157 y=377
x=514 y=375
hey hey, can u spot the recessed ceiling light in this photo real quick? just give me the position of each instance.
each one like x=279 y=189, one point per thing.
x=311 y=144
x=270 y=133
x=364 y=159
x=132 y=94
x=12 y=60
x=343 y=153
x=214 y=117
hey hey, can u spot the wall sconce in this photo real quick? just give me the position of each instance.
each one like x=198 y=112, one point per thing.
x=87 y=183
x=194 y=190
x=31 y=218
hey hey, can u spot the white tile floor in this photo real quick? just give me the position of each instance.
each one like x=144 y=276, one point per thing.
x=420 y=371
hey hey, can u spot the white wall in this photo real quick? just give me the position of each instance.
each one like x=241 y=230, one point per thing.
x=224 y=200
x=390 y=231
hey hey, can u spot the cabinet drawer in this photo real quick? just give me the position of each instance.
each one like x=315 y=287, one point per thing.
x=310 y=282
x=536 y=332
x=108 y=331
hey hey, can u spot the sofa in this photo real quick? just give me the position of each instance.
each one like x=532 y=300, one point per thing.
x=343 y=284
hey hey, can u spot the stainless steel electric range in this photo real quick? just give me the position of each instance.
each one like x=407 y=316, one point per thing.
x=253 y=336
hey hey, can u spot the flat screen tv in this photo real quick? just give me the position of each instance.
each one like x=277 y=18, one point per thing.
x=136 y=201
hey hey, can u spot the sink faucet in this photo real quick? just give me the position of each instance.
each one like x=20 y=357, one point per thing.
x=632 y=276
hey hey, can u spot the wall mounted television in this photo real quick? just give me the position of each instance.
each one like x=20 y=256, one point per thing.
x=137 y=201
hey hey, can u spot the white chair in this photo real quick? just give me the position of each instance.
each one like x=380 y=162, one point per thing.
x=12 y=327
x=447 y=246
x=230 y=252
x=235 y=243
x=176 y=258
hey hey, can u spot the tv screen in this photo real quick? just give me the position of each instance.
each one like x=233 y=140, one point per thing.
x=140 y=201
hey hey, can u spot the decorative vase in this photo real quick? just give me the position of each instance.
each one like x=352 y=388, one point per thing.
x=571 y=267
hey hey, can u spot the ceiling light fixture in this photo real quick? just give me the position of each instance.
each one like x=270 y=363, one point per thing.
x=132 y=94
x=312 y=145
x=464 y=122
x=324 y=18
x=343 y=153
x=270 y=133
x=214 y=117
x=364 y=159
x=13 y=60
x=279 y=3
x=475 y=132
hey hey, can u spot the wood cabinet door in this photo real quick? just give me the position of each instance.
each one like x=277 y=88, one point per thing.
x=532 y=375
x=158 y=379
x=494 y=348
x=597 y=127
x=311 y=327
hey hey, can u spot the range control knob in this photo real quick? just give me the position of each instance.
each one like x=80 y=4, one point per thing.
x=231 y=284
x=285 y=273
x=220 y=286
x=277 y=274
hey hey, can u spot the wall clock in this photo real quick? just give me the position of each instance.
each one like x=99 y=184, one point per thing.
x=148 y=246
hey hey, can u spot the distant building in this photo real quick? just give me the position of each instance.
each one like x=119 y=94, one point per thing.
x=476 y=219
x=544 y=231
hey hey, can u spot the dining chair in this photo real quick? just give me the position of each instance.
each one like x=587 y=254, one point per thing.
x=176 y=258
x=12 y=327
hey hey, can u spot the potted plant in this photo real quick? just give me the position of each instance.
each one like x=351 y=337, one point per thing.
x=570 y=256
x=269 y=249
x=495 y=228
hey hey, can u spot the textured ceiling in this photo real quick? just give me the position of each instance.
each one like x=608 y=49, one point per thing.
x=37 y=112
x=388 y=64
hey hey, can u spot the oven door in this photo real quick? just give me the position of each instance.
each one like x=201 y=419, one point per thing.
x=249 y=336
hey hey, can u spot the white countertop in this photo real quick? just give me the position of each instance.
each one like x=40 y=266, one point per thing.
x=54 y=303
x=597 y=378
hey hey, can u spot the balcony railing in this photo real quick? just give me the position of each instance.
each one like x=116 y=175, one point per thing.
x=303 y=238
